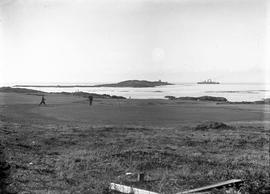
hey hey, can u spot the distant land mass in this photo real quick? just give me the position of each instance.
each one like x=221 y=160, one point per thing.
x=136 y=84
x=128 y=83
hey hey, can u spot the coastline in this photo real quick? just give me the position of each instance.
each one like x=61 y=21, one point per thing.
x=218 y=99
x=232 y=92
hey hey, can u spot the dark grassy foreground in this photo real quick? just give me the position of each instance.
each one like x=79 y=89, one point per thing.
x=72 y=157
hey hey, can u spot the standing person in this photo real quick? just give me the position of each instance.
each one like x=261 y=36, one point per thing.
x=42 y=100
x=90 y=100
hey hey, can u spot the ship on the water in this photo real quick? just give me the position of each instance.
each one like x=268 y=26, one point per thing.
x=209 y=81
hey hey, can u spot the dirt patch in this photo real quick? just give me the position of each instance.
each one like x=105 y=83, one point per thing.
x=212 y=125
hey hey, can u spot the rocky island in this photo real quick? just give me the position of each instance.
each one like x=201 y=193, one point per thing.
x=136 y=84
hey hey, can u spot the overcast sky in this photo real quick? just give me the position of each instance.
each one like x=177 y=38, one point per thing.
x=67 y=41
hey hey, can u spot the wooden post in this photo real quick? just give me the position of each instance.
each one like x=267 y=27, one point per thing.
x=140 y=177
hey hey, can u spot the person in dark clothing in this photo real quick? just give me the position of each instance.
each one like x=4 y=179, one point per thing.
x=90 y=100
x=42 y=100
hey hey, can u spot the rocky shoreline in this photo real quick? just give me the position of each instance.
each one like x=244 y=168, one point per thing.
x=219 y=100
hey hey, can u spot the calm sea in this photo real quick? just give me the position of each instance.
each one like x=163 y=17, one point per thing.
x=231 y=91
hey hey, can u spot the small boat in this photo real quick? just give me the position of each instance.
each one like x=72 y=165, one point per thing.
x=209 y=81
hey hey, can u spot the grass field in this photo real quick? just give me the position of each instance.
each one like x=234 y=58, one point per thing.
x=69 y=147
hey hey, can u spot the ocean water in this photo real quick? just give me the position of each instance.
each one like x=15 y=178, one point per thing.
x=231 y=91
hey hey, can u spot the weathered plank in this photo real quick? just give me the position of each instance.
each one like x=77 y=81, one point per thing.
x=128 y=189
x=214 y=186
x=201 y=190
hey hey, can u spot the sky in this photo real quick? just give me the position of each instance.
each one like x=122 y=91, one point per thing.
x=86 y=41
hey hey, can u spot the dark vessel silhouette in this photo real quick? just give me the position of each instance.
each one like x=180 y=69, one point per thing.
x=209 y=81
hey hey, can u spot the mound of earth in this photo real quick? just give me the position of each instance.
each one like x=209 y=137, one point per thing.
x=37 y=92
x=212 y=125
x=18 y=90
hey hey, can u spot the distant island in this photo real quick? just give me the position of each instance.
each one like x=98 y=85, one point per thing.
x=136 y=84
x=128 y=83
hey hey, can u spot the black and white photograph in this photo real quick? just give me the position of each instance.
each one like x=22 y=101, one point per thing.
x=134 y=97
